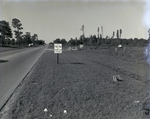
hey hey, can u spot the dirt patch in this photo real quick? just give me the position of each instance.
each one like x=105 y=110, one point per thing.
x=81 y=87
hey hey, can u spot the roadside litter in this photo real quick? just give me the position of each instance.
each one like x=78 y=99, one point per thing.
x=45 y=110
x=117 y=78
x=65 y=111
x=146 y=107
x=136 y=101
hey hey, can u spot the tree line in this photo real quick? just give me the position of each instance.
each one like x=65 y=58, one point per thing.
x=6 y=35
x=99 y=40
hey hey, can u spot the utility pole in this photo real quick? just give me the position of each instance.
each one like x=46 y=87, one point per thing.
x=82 y=29
x=98 y=36
x=102 y=30
x=149 y=34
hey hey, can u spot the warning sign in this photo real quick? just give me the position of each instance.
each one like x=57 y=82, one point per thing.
x=57 y=48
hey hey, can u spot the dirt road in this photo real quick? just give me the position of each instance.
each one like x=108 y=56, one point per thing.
x=81 y=86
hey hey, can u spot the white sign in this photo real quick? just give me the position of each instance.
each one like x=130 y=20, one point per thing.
x=81 y=46
x=57 y=48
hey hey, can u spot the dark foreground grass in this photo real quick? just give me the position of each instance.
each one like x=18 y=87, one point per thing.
x=82 y=84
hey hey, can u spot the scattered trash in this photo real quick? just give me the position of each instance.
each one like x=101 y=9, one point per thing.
x=65 y=111
x=146 y=107
x=147 y=113
x=45 y=110
x=136 y=101
x=50 y=115
x=117 y=78
x=120 y=46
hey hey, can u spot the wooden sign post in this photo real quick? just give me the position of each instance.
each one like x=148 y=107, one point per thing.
x=57 y=58
x=57 y=50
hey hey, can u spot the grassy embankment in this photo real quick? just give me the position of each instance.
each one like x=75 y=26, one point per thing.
x=82 y=83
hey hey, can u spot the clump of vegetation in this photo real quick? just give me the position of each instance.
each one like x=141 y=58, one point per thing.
x=20 y=39
x=132 y=49
x=97 y=42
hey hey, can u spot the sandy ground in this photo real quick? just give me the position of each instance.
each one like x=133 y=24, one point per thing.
x=81 y=86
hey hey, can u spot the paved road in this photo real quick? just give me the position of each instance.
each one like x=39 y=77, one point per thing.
x=14 y=65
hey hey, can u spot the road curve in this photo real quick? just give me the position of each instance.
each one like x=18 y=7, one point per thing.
x=14 y=65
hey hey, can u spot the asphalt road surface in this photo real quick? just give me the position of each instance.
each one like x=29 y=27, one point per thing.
x=14 y=66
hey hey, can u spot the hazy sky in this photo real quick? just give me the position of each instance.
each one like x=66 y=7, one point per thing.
x=52 y=19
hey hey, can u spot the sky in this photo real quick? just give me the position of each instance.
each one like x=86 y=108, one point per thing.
x=52 y=19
